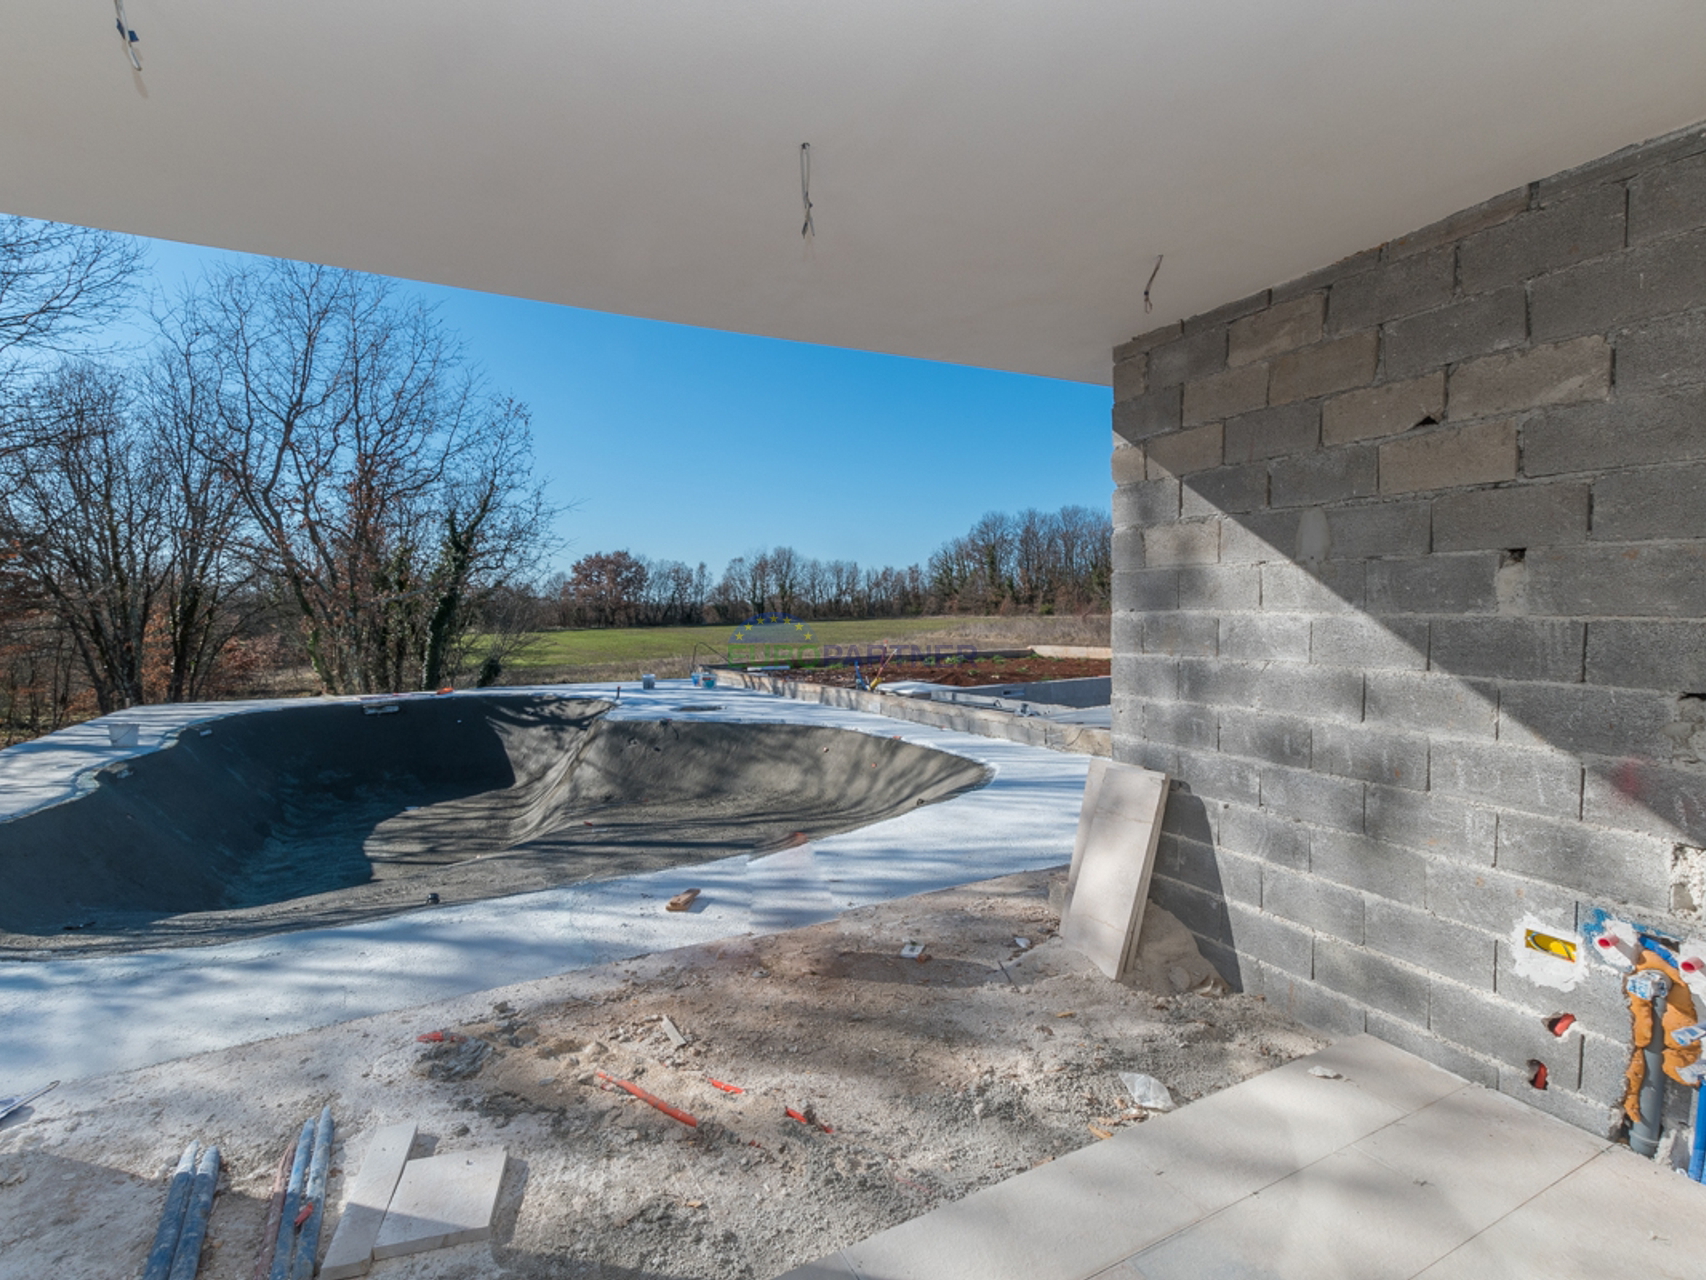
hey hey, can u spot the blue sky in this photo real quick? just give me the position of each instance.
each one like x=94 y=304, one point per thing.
x=691 y=444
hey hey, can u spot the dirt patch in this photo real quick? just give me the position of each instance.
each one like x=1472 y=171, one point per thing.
x=919 y=1081
x=962 y=674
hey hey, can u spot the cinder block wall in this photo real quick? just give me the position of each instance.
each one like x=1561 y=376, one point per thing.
x=1410 y=586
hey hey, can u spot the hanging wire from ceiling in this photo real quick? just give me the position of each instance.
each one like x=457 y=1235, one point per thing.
x=126 y=34
x=807 y=230
x=1149 y=306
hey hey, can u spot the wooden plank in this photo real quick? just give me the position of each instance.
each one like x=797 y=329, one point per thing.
x=1119 y=827
x=369 y=1196
x=442 y=1200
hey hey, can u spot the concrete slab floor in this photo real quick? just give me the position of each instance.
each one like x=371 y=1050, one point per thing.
x=1359 y=1162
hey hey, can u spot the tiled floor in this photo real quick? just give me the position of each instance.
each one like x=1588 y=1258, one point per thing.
x=1394 y=1170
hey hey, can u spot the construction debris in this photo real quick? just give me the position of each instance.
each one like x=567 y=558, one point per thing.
x=351 y=1252
x=442 y=1200
x=674 y=1033
x=1146 y=1091
x=683 y=900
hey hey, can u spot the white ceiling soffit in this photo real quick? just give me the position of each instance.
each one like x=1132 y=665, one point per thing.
x=993 y=179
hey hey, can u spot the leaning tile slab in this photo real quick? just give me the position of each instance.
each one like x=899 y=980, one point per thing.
x=1113 y=857
x=351 y=1252
x=442 y=1200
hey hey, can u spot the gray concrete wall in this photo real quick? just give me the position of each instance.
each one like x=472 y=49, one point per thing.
x=1410 y=585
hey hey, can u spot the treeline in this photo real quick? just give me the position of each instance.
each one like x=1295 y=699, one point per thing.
x=1033 y=562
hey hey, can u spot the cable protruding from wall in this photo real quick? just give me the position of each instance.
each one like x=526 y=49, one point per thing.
x=126 y=34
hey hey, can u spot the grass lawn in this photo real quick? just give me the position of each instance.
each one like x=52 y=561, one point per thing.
x=595 y=647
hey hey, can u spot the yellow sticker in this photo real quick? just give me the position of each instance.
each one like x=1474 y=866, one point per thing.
x=1563 y=948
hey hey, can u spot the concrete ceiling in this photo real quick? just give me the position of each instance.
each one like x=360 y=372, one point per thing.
x=992 y=178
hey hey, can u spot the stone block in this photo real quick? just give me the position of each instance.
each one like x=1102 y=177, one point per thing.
x=1186 y=451
x=1562 y=373
x=1257 y=537
x=1265 y=837
x=1640 y=795
x=1335 y=365
x=1360 y=641
x=1646 y=429
x=1219 y=588
x=1661 y=354
x=1567 y=231
x=1386 y=410
x=1152 y=414
x=1493 y=900
x=1309 y=901
x=1357 y=862
x=1185 y=635
x=1507 y=648
x=1265 y=637
x=1336 y=587
x=1332 y=475
x=1128 y=464
x=1217 y=777
x=1655 y=279
x=1599 y=864
x=1431 y=703
x=1647 y=655
x=1440 y=583
x=1187 y=359
x=1450 y=457
x=1667 y=199
x=1312 y=797
x=1459 y=225
x=1142 y=505
x=1532 y=515
x=1378 y=529
x=1182 y=724
x=1129 y=377
x=1274 y=739
x=1390 y=290
x=1267 y=938
x=1589 y=718
x=1226 y=489
x=1431 y=823
x=1548 y=783
x=1144 y=589
x=1197 y=542
x=442 y=1200
x=1650 y=503
x=1234 y=391
x=1461 y=330
x=1420 y=938
x=1273 y=433
x=1146 y=676
x=1279 y=328
x=1371 y=979
x=1371 y=754
x=1655 y=580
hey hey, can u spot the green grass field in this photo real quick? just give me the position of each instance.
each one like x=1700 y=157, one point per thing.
x=662 y=645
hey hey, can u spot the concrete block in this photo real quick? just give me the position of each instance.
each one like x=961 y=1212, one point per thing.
x=1386 y=410
x=1312 y=903
x=1599 y=864
x=1145 y=589
x=1154 y=413
x=1146 y=342
x=1654 y=279
x=1127 y=465
x=1187 y=359
x=1370 y=754
x=1273 y=739
x=1459 y=225
x=1226 y=489
x=1507 y=648
x=1278 y=329
x=1146 y=755
x=1213 y=871
x=1378 y=529
x=1493 y=900
x=1267 y=838
x=1530 y=515
x=1440 y=946
x=1166 y=546
x=1655 y=579
x=1331 y=692
x=1450 y=457
x=442 y=1200
x=1314 y=1005
x=1130 y=377
x=369 y=1194
x=1647 y=429
x=1312 y=797
x=1640 y=795
x=1191 y=635
x=1183 y=452
x=1441 y=583
x=1258 y=537
x=1337 y=587
x=1622 y=165
x=1218 y=777
x=1430 y=1048
x=1371 y=979
x=1272 y=433
x=1586 y=225
x=1220 y=588
x=1204 y=914
x=1265 y=637
x=1656 y=502
x=1646 y=654
x=1562 y=373
x=1217 y=682
x=1335 y=365
x=1437 y=704
x=1361 y=641
x=1505 y=1032
x=1126 y=631
x=1113 y=858
x=1127 y=546
x=1590 y=719
x=1667 y=199
x=1150 y=503
x=1271 y=940
x=1458 y=331
x=1145 y=676
x=1357 y=862
x=1182 y=724
x=1431 y=823
x=1234 y=391
x=1542 y=782
x=1661 y=354
x=1332 y=475
x=1227 y=312
x=1389 y=290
